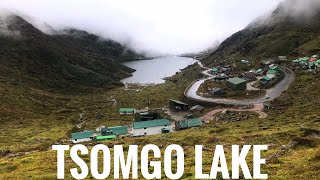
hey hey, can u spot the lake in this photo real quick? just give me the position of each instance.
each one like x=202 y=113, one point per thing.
x=154 y=70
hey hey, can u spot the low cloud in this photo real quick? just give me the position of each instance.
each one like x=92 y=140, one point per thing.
x=153 y=26
x=5 y=20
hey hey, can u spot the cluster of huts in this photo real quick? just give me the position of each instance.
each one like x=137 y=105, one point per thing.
x=267 y=74
x=145 y=123
x=271 y=75
x=308 y=62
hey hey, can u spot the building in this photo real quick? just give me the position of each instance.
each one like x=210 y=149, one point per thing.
x=217 y=91
x=197 y=108
x=108 y=137
x=244 y=61
x=117 y=130
x=178 y=105
x=214 y=70
x=266 y=63
x=265 y=81
x=82 y=136
x=152 y=127
x=312 y=59
x=237 y=83
x=272 y=73
x=221 y=77
x=188 y=123
x=147 y=116
x=282 y=58
x=259 y=71
x=276 y=68
x=127 y=111
x=249 y=76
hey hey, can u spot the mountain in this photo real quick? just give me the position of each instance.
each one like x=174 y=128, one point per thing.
x=287 y=31
x=67 y=60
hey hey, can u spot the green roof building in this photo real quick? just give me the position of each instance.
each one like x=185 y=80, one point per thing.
x=266 y=78
x=259 y=71
x=103 y=138
x=188 y=123
x=117 y=130
x=151 y=127
x=127 y=111
x=276 y=68
x=237 y=83
x=272 y=72
x=214 y=70
x=304 y=59
x=82 y=136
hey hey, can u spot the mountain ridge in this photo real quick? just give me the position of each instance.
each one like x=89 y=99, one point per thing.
x=68 y=60
x=277 y=35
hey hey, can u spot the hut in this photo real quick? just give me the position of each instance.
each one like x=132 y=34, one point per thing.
x=249 y=76
x=237 y=83
x=282 y=58
x=116 y=130
x=127 y=111
x=265 y=80
x=188 y=123
x=157 y=126
x=82 y=136
x=214 y=70
x=272 y=73
x=146 y=116
x=178 y=105
x=108 y=137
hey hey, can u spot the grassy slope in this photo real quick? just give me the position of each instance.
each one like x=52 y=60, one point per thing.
x=295 y=109
x=284 y=36
x=73 y=60
x=32 y=119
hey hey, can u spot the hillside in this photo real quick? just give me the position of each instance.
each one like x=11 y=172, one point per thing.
x=283 y=33
x=66 y=60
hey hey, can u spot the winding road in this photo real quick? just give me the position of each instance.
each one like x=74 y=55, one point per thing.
x=273 y=93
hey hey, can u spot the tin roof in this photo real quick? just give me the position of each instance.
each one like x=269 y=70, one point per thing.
x=126 y=109
x=151 y=123
x=272 y=72
x=109 y=137
x=178 y=102
x=236 y=80
x=266 y=78
x=116 y=130
x=188 y=123
x=82 y=135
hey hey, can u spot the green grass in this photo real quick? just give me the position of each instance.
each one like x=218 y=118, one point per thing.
x=23 y=125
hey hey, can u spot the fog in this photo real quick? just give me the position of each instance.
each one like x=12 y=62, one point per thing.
x=299 y=8
x=153 y=26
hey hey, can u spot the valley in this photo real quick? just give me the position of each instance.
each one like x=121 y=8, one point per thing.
x=55 y=86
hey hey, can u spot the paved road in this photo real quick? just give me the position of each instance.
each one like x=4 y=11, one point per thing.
x=273 y=93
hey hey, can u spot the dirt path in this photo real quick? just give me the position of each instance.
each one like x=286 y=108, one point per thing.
x=257 y=109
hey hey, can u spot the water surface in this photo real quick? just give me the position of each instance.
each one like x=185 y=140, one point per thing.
x=154 y=70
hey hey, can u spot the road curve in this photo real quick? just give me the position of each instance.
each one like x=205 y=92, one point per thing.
x=273 y=93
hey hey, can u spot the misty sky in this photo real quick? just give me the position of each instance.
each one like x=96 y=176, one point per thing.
x=155 y=26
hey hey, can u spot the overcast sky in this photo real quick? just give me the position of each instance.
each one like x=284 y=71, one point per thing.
x=157 y=26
